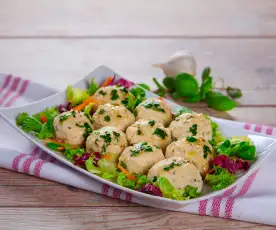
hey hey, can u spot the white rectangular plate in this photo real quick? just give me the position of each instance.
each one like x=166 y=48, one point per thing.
x=265 y=145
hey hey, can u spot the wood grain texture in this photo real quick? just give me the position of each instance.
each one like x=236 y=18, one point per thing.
x=112 y=218
x=245 y=63
x=67 y=18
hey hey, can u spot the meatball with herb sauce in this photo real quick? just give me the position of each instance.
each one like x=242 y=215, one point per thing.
x=191 y=124
x=140 y=157
x=71 y=127
x=106 y=140
x=198 y=151
x=115 y=95
x=154 y=109
x=150 y=131
x=111 y=115
x=180 y=173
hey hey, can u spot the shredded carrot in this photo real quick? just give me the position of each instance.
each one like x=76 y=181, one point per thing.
x=107 y=81
x=128 y=174
x=43 y=118
x=53 y=141
x=160 y=98
x=208 y=172
x=85 y=103
x=61 y=148
x=107 y=157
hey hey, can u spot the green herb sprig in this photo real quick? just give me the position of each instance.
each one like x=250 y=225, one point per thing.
x=185 y=87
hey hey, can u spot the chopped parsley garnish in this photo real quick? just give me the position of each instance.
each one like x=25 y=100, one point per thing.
x=116 y=135
x=193 y=129
x=151 y=123
x=153 y=105
x=88 y=130
x=161 y=133
x=89 y=118
x=73 y=113
x=103 y=148
x=139 y=132
x=102 y=93
x=125 y=102
x=154 y=179
x=114 y=95
x=123 y=164
x=206 y=150
x=123 y=89
x=101 y=111
x=107 y=118
x=66 y=115
x=136 y=149
x=106 y=137
x=191 y=139
x=172 y=165
x=96 y=141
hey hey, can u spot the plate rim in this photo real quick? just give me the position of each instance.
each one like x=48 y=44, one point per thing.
x=127 y=190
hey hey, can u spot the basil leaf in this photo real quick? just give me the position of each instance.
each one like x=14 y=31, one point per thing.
x=169 y=82
x=234 y=93
x=219 y=101
x=193 y=99
x=186 y=85
x=144 y=86
x=206 y=86
x=206 y=73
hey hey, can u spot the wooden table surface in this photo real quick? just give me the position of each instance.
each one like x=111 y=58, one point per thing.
x=56 y=42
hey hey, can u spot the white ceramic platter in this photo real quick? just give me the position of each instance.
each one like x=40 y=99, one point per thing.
x=265 y=145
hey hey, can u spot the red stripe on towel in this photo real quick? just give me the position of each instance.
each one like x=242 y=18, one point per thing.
x=217 y=201
x=247 y=126
x=128 y=197
x=231 y=201
x=19 y=94
x=6 y=83
x=105 y=189
x=12 y=88
x=16 y=161
x=202 y=207
x=117 y=193
x=38 y=167
x=27 y=164
x=258 y=128
x=269 y=131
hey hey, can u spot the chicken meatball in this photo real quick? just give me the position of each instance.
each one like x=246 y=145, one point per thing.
x=114 y=95
x=106 y=140
x=154 y=109
x=111 y=115
x=71 y=126
x=191 y=124
x=140 y=157
x=150 y=131
x=180 y=173
x=198 y=151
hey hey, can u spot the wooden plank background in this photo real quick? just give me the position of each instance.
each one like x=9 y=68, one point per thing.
x=56 y=42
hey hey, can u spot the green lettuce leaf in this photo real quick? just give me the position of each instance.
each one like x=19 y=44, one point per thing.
x=69 y=152
x=170 y=192
x=243 y=148
x=220 y=179
x=75 y=95
x=125 y=182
